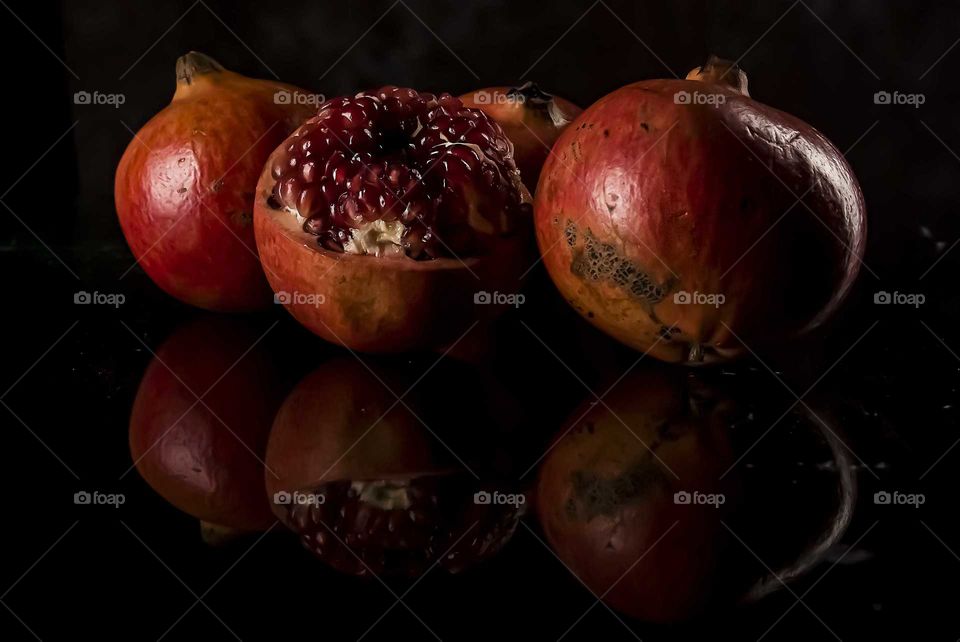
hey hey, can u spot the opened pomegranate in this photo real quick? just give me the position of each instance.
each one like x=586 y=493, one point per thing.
x=205 y=456
x=685 y=219
x=370 y=489
x=660 y=498
x=381 y=218
x=531 y=118
x=185 y=185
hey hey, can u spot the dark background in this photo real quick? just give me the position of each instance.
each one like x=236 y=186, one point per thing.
x=822 y=61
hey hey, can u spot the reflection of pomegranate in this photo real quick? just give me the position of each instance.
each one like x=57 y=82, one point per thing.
x=184 y=187
x=531 y=118
x=650 y=497
x=668 y=215
x=206 y=457
x=607 y=502
x=368 y=485
x=393 y=209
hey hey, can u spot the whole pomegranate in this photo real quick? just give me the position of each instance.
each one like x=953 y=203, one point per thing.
x=382 y=220
x=685 y=219
x=185 y=185
x=206 y=456
x=531 y=118
x=652 y=498
x=370 y=489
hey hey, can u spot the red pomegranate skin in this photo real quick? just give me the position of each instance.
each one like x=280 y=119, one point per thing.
x=646 y=199
x=185 y=185
x=207 y=459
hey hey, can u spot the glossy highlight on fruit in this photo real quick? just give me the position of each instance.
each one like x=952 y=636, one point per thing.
x=184 y=187
x=685 y=219
x=206 y=457
x=381 y=218
x=531 y=118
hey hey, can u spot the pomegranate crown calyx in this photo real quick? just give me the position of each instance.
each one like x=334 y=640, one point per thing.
x=719 y=71
x=195 y=64
x=543 y=103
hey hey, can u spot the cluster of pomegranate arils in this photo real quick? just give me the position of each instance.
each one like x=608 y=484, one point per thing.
x=395 y=172
x=401 y=526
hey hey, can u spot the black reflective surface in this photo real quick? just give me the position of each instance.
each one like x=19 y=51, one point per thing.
x=799 y=480
x=834 y=455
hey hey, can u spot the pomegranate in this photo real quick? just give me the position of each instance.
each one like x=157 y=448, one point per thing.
x=381 y=218
x=649 y=497
x=685 y=219
x=370 y=489
x=184 y=187
x=206 y=458
x=531 y=118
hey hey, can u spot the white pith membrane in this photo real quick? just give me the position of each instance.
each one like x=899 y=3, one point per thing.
x=384 y=494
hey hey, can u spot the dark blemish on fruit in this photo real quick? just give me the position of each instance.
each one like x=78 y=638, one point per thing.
x=597 y=495
x=594 y=260
x=606 y=133
x=570 y=233
x=181 y=190
x=241 y=218
x=575 y=147
x=612 y=202
x=589 y=314
x=666 y=334
x=217 y=185
x=645 y=126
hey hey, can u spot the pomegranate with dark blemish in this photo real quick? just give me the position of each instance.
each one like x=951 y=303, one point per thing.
x=687 y=220
x=664 y=499
x=531 y=118
x=393 y=208
x=185 y=186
